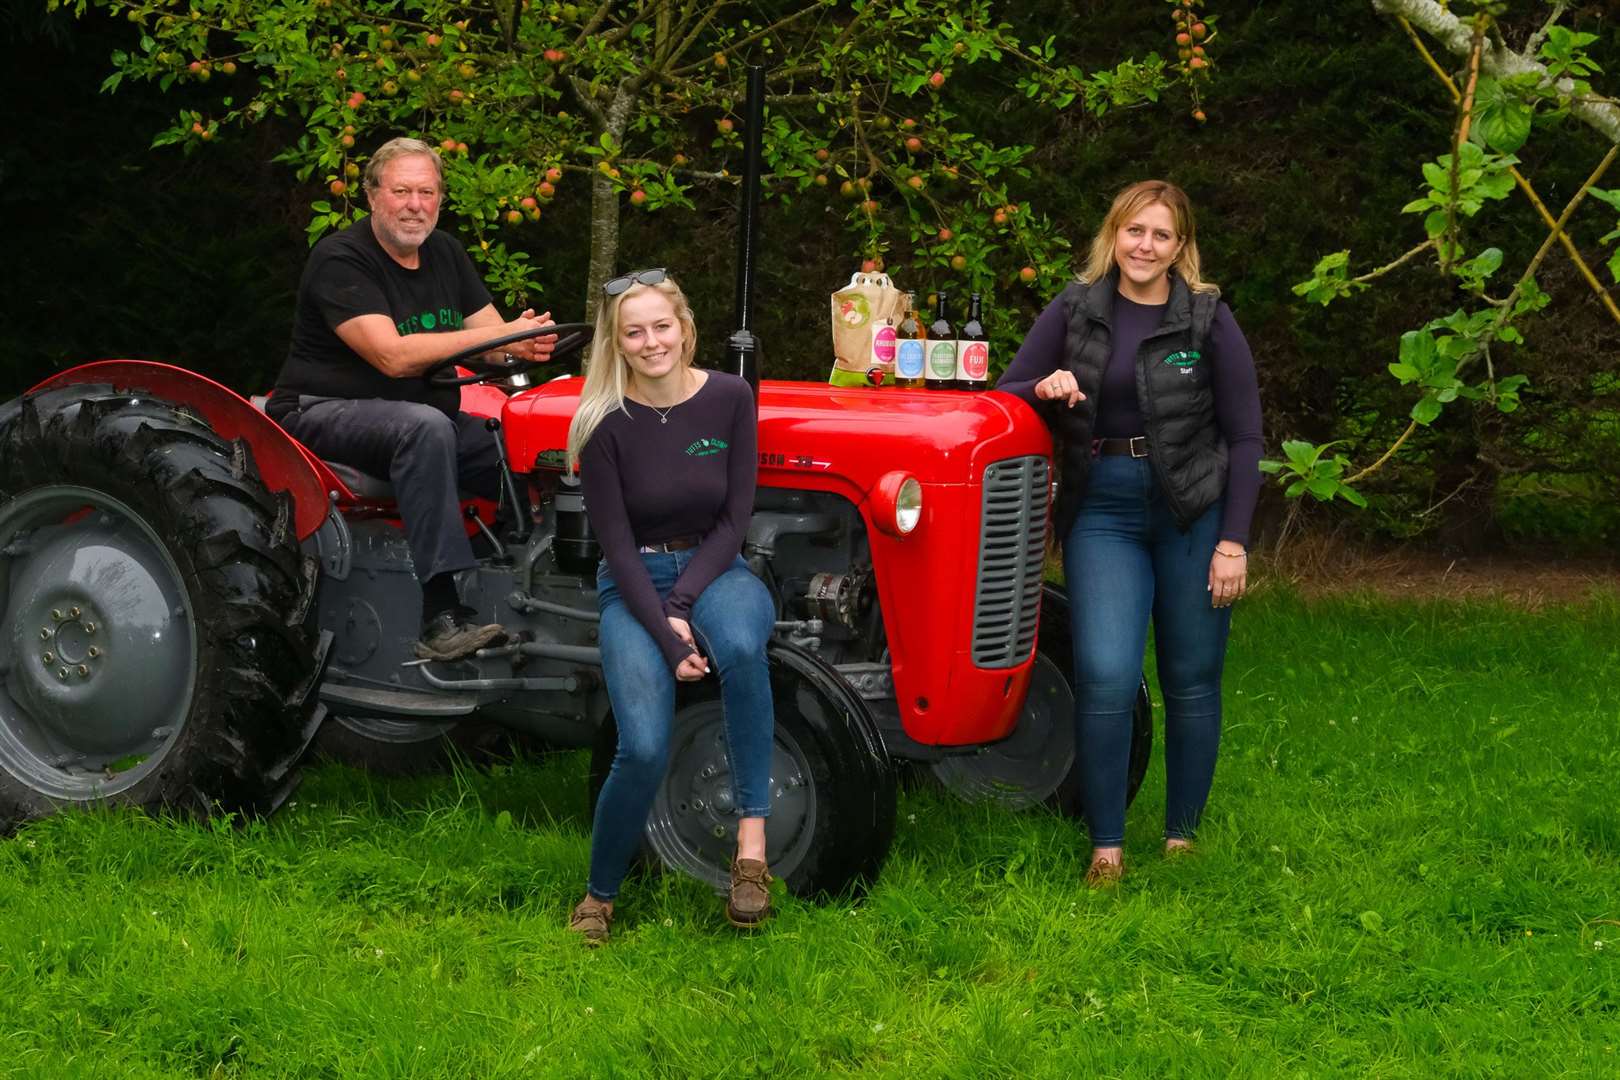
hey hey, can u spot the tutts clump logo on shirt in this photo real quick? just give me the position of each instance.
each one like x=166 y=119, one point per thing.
x=1185 y=360
x=428 y=321
x=707 y=447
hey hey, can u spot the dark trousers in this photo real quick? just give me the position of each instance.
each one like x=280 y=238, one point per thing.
x=428 y=458
x=1126 y=562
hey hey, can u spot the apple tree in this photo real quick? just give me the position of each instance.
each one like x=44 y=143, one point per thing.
x=866 y=109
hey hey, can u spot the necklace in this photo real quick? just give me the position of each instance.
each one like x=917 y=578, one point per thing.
x=663 y=414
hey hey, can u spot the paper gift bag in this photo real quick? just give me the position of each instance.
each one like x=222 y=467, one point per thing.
x=864 y=315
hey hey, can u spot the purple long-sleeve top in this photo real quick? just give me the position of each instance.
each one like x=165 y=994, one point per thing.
x=651 y=479
x=1232 y=381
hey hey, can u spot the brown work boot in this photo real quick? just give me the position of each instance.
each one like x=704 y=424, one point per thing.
x=592 y=919
x=446 y=637
x=750 y=899
x=1103 y=874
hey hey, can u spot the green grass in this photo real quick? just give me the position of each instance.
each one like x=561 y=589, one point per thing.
x=1410 y=868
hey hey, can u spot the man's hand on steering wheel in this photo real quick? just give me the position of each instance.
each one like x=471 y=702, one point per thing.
x=534 y=350
x=525 y=338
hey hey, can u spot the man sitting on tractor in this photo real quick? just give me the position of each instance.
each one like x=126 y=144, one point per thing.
x=380 y=303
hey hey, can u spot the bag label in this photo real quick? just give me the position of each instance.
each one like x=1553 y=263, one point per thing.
x=883 y=345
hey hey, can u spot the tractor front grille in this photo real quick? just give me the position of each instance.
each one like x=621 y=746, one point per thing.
x=1012 y=549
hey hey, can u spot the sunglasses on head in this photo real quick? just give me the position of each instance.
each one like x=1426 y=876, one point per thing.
x=615 y=286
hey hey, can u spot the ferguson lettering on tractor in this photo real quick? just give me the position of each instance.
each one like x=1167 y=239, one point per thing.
x=190 y=596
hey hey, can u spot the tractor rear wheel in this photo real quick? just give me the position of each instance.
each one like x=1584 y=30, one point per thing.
x=153 y=648
x=832 y=784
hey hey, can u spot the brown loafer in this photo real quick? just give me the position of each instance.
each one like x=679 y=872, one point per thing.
x=1104 y=875
x=592 y=919
x=750 y=900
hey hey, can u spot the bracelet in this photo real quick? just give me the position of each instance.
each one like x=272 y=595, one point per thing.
x=1229 y=555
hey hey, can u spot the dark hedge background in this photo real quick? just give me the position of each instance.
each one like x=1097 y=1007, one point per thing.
x=1320 y=116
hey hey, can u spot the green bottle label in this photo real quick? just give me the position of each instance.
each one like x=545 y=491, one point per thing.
x=942 y=359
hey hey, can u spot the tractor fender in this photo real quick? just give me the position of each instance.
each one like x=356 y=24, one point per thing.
x=283 y=463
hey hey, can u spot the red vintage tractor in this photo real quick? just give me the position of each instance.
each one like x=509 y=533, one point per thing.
x=189 y=595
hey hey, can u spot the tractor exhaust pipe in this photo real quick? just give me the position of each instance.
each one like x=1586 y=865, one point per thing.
x=742 y=349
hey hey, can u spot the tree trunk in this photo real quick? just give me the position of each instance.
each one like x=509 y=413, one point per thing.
x=613 y=121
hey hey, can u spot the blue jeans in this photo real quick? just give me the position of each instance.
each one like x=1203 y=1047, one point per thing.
x=427 y=457
x=732 y=621
x=1126 y=560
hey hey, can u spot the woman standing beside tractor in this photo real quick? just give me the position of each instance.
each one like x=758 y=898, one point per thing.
x=668 y=463
x=1149 y=389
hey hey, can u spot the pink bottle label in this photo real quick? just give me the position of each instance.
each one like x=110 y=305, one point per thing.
x=883 y=345
x=976 y=360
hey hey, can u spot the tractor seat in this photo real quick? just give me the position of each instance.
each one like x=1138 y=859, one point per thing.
x=362 y=485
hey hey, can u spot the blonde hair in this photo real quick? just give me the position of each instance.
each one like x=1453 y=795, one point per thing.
x=394 y=149
x=1132 y=201
x=607 y=371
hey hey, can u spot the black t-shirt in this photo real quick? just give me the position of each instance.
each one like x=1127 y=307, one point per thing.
x=349 y=274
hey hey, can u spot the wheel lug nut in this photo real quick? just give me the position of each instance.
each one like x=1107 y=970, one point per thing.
x=89 y=627
x=61 y=673
x=49 y=658
x=84 y=671
x=56 y=613
x=94 y=652
x=44 y=633
x=73 y=613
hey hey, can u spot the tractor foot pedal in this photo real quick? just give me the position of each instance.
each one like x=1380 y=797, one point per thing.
x=403 y=703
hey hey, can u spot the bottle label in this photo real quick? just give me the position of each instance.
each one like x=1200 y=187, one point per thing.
x=942 y=360
x=883 y=345
x=973 y=364
x=908 y=362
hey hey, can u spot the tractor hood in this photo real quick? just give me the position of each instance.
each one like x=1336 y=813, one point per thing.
x=811 y=429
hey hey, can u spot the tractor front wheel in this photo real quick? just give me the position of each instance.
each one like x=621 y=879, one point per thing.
x=832 y=784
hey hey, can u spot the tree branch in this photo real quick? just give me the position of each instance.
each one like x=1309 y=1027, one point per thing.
x=1523 y=181
x=1498 y=62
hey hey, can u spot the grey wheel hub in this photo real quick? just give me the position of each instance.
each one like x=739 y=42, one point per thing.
x=693 y=822
x=98 y=644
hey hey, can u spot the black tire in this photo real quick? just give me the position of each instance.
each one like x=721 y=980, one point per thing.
x=155 y=652
x=1056 y=644
x=833 y=796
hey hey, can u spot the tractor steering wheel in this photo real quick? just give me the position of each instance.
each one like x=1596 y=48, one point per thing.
x=571 y=337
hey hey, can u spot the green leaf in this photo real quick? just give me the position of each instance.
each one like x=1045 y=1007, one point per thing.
x=1502 y=119
x=1302 y=454
x=1404 y=372
x=1426 y=410
x=1352 y=496
x=1323 y=487
x=1418 y=350
x=1607 y=195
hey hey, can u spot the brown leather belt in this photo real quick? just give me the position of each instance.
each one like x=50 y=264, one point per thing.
x=680 y=543
x=1135 y=446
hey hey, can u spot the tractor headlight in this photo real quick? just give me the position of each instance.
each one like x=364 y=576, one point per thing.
x=897 y=502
